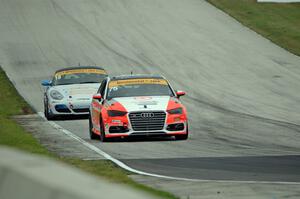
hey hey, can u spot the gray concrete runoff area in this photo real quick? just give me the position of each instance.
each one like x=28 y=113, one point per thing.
x=28 y=176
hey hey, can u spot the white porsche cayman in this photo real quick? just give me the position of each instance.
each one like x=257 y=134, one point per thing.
x=70 y=91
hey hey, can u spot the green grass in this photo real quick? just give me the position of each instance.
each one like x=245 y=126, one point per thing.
x=279 y=23
x=13 y=135
x=10 y=133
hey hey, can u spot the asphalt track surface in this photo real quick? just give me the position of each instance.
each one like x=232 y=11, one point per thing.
x=242 y=90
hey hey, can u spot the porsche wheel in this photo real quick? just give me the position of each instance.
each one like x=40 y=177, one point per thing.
x=48 y=115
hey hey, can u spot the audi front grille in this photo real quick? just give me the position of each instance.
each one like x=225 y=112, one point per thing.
x=147 y=121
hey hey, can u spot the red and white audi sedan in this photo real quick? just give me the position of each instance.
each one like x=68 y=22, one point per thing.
x=137 y=105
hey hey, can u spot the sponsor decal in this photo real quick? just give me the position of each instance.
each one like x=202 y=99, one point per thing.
x=144 y=101
x=147 y=103
x=83 y=99
x=125 y=82
x=82 y=91
x=84 y=70
x=80 y=106
x=143 y=98
x=117 y=122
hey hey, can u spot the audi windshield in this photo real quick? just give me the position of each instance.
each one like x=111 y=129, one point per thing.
x=138 y=87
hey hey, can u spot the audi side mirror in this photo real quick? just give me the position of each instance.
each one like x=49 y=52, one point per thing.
x=180 y=93
x=46 y=83
x=97 y=96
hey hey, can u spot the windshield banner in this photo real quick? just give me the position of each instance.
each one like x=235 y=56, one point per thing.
x=84 y=70
x=136 y=81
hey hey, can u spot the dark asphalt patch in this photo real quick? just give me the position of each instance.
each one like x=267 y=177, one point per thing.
x=253 y=168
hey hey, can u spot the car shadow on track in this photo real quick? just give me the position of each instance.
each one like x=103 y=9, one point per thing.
x=70 y=117
x=142 y=139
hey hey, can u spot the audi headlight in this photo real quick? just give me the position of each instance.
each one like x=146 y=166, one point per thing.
x=56 y=95
x=115 y=113
x=175 y=111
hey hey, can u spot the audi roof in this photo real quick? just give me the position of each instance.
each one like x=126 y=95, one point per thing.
x=137 y=76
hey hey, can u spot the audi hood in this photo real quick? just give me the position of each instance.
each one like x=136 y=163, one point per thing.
x=143 y=103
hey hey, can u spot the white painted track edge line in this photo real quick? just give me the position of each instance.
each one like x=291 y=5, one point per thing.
x=124 y=166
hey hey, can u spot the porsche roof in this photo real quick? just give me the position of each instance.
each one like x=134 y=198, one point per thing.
x=79 y=67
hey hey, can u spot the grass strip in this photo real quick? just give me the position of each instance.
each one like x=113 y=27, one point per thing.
x=279 y=22
x=13 y=135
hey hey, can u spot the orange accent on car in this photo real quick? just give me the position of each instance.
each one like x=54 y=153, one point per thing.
x=172 y=118
x=116 y=135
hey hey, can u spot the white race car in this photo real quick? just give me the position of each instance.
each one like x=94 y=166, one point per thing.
x=70 y=91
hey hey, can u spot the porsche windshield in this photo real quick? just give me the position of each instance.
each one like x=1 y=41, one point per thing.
x=139 y=87
x=79 y=76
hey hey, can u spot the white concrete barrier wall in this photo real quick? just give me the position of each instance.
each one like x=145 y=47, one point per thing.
x=25 y=176
x=279 y=1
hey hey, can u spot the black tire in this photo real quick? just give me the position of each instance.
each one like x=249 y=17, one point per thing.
x=183 y=137
x=93 y=136
x=45 y=111
x=48 y=115
x=102 y=137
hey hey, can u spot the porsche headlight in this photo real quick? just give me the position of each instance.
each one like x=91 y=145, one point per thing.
x=56 y=95
x=115 y=113
x=175 y=111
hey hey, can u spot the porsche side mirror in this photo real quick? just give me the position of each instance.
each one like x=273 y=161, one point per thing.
x=97 y=96
x=180 y=93
x=46 y=83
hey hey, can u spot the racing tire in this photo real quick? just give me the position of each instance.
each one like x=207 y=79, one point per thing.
x=102 y=136
x=93 y=136
x=183 y=137
x=48 y=115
